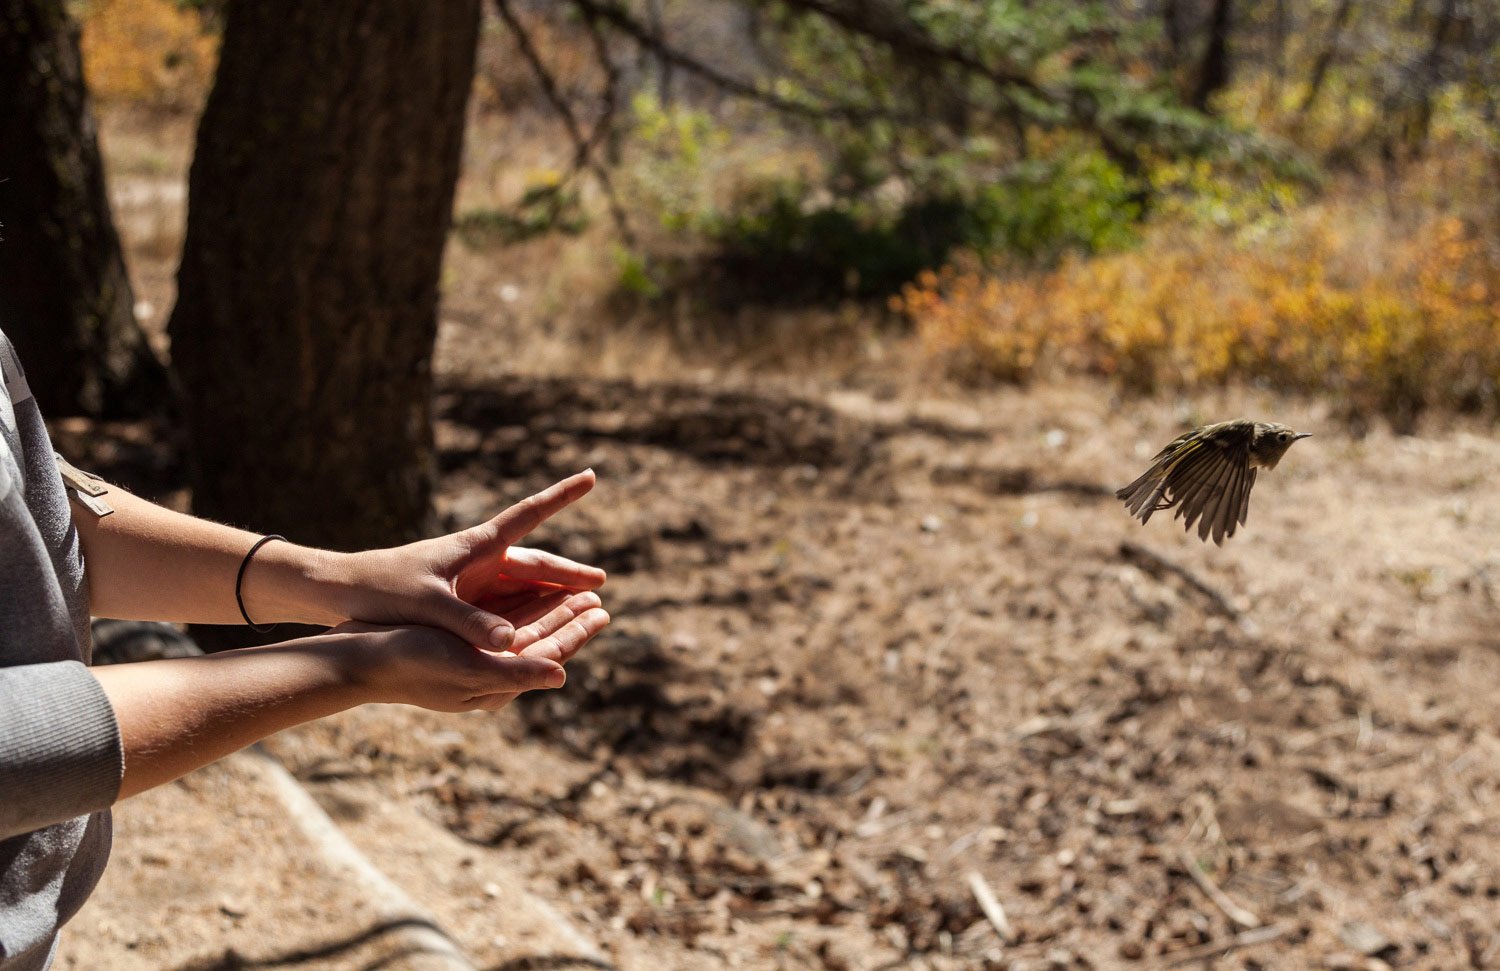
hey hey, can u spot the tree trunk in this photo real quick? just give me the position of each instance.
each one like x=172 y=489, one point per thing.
x=1171 y=20
x=1213 y=72
x=1429 y=77
x=319 y=202
x=1326 y=56
x=65 y=299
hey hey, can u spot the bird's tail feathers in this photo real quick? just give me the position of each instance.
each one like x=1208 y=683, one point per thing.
x=1143 y=495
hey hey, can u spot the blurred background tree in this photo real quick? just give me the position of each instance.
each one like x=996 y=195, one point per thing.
x=65 y=298
x=319 y=202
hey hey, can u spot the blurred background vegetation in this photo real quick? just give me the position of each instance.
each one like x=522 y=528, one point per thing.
x=1168 y=194
x=1173 y=193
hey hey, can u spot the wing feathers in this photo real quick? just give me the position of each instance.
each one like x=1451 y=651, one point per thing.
x=1220 y=519
x=1210 y=492
x=1205 y=474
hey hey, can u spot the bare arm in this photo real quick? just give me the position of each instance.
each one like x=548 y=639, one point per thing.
x=146 y=562
x=176 y=715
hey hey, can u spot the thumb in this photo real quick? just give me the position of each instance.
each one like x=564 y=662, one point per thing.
x=514 y=673
x=474 y=624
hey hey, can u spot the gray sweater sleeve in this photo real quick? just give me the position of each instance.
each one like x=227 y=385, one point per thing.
x=60 y=753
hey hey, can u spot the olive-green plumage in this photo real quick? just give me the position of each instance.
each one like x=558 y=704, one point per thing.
x=1207 y=474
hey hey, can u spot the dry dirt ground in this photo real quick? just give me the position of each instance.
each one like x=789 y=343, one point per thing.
x=879 y=642
x=866 y=648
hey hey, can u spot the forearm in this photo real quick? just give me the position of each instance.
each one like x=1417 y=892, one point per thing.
x=176 y=715
x=146 y=562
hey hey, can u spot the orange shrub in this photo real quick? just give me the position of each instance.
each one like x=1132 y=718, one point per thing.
x=1323 y=303
x=152 y=52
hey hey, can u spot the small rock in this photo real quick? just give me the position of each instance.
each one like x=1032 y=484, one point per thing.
x=1364 y=938
x=932 y=524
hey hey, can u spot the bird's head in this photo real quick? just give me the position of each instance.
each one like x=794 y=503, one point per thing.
x=1270 y=442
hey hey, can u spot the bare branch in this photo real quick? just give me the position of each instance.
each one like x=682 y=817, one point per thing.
x=604 y=126
x=620 y=18
x=583 y=146
x=885 y=23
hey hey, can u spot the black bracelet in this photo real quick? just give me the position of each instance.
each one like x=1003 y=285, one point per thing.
x=240 y=578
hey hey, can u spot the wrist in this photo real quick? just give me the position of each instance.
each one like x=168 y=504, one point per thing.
x=353 y=674
x=287 y=583
x=364 y=666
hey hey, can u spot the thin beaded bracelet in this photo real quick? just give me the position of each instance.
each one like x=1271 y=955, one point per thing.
x=240 y=579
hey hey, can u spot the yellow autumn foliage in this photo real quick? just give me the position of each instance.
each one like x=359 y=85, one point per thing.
x=1385 y=323
x=146 y=52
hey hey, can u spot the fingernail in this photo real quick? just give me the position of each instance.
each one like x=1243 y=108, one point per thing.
x=500 y=636
x=557 y=678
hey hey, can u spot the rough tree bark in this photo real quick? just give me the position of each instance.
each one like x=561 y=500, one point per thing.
x=65 y=299
x=319 y=201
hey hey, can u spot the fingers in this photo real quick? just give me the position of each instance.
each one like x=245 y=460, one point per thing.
x=505 y=673
x=570 y=637
x=543 y=616
x=549 y=622
x=531 y=609
x=560 y=646
x=524 y=563
x=526 y=515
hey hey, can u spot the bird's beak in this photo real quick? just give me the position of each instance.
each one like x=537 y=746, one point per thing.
x=1301 y=435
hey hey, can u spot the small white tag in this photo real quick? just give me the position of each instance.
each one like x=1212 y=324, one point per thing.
x=15 y=378
x=93 y=504
x=85 y=482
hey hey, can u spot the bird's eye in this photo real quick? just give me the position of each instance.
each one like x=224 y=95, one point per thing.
x=1285 y=436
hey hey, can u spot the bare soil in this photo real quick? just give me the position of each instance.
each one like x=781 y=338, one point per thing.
x=864 y=648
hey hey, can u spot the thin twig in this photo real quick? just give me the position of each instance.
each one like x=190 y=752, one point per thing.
x=887 y=26
x=583 y=146
x=1157 y=564
x=993 y=912
x=1250 y=938
x=652 y=40
x=604 y=126
x=1220 y=899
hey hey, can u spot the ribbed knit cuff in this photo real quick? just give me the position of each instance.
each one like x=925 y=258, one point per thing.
x=60 y=754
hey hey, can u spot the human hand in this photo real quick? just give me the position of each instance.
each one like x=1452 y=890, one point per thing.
x=465 y=582
x=435 y=670
x=554 y=635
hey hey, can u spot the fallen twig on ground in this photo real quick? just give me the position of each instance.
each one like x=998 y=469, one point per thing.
x=1250 y=938
x=995 y=913
x=1221 y=900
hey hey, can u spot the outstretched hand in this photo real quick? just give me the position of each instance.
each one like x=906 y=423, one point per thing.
x=476 y=584
x=433 y=669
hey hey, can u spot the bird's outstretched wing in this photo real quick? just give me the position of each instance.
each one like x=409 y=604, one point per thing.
x=1205 y=473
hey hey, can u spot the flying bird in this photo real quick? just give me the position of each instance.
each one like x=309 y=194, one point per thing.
x=1207 y=474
